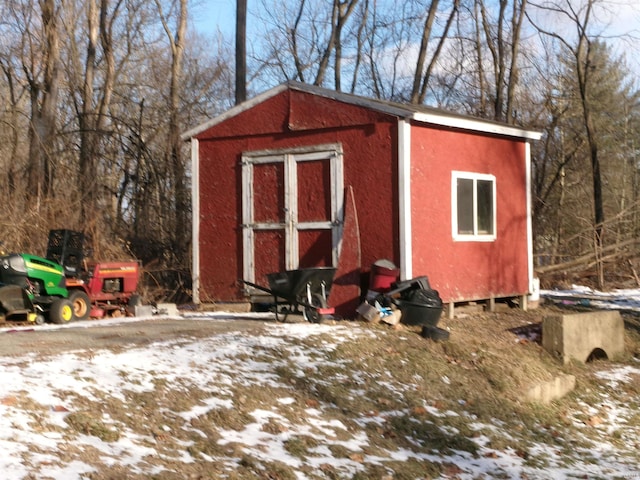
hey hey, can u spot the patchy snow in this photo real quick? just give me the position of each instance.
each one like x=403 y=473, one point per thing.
x=617 y=299
x=38 y=393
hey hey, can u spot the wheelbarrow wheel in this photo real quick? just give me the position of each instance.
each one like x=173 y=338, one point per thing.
x=310 y=313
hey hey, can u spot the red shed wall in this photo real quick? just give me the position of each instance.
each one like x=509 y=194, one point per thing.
x=463 y=271
x=289 y=120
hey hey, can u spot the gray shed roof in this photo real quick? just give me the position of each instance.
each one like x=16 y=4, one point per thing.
x=418 y=113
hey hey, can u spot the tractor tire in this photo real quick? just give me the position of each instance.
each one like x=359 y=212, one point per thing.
x=61 y=311
x=81 y=304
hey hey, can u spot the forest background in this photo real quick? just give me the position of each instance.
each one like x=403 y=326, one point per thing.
x=94 y=96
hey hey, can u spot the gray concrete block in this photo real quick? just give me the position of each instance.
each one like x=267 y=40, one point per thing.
x=143 y=311
x=167 y=309
x=577 y=336
x=546 y=392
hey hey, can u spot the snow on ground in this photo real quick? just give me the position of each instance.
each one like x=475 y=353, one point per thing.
x=618 y=299
x=36 y=443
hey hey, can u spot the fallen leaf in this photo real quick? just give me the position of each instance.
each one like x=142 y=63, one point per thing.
x=10 y=401
x=594 y=421
x=419 y=411
x=452 y=469
x=160 y=436
x=326 y=467
x=312 y=403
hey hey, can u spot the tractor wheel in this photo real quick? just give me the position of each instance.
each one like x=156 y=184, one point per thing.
x=81 y=304
x=61 y=311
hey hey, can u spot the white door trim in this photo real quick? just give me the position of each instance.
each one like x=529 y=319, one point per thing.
x=291 y=158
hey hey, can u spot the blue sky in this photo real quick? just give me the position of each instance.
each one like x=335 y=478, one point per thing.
x=210 y=15
x=618 y=17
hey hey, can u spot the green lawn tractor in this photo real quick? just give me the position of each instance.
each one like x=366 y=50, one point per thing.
x=33 y=288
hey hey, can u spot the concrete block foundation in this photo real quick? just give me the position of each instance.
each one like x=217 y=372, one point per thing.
x=546 y=392
x=582 y=336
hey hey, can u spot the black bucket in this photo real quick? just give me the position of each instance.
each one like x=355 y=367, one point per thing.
x=419 y=314
x=421 y=307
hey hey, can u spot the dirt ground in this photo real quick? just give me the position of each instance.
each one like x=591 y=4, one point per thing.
x=20 y=341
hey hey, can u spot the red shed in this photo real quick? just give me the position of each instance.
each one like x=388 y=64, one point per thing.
x=301 y=176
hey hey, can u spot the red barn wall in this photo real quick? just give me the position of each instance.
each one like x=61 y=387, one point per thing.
x=463 y=271
x=288 y=120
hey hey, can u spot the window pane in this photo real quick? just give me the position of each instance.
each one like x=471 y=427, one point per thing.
x=465 y=206
x=485 y=207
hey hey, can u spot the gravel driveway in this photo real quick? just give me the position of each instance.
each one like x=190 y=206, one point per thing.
x=99 y=334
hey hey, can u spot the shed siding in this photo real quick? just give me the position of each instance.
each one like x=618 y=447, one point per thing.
x=463 y=271
x=290 y=120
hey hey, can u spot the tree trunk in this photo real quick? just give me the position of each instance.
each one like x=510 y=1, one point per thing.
x=180 y=233
x=516 y=21
x=44 y=99
x=339 y=15
x=422 y=53
x=93 y=116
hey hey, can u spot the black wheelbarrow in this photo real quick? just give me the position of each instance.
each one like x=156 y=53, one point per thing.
x=304 y=288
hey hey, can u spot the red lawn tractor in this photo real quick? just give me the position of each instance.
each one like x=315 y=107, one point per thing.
x=96 y=289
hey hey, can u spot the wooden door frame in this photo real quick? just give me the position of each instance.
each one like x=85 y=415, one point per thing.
x=290 y=158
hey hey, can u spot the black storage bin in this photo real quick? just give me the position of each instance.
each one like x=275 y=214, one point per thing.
x=417 y=283
x=421 y=307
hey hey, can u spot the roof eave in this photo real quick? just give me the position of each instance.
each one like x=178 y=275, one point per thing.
x=475 y=125
x=434 y=118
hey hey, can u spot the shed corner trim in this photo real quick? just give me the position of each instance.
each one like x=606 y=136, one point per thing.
x=404 y=198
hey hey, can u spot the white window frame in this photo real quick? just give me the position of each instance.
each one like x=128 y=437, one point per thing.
x=475 y=236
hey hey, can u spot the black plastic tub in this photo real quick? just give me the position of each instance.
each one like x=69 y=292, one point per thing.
x=419 y=313
x=434 y=333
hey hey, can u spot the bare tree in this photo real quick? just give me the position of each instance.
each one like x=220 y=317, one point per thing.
x=12 y=129
x=340 y=13
x=580 y=50
x=501 y=37
x=421 y=77
x=41 y=65
x=360 y=44
x=94 y=110
x=309 y=42
x=174 y=143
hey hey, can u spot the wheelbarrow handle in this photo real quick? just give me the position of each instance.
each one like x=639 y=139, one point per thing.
x=254 y=285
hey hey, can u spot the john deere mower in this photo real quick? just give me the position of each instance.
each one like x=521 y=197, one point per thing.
x=33 y=288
